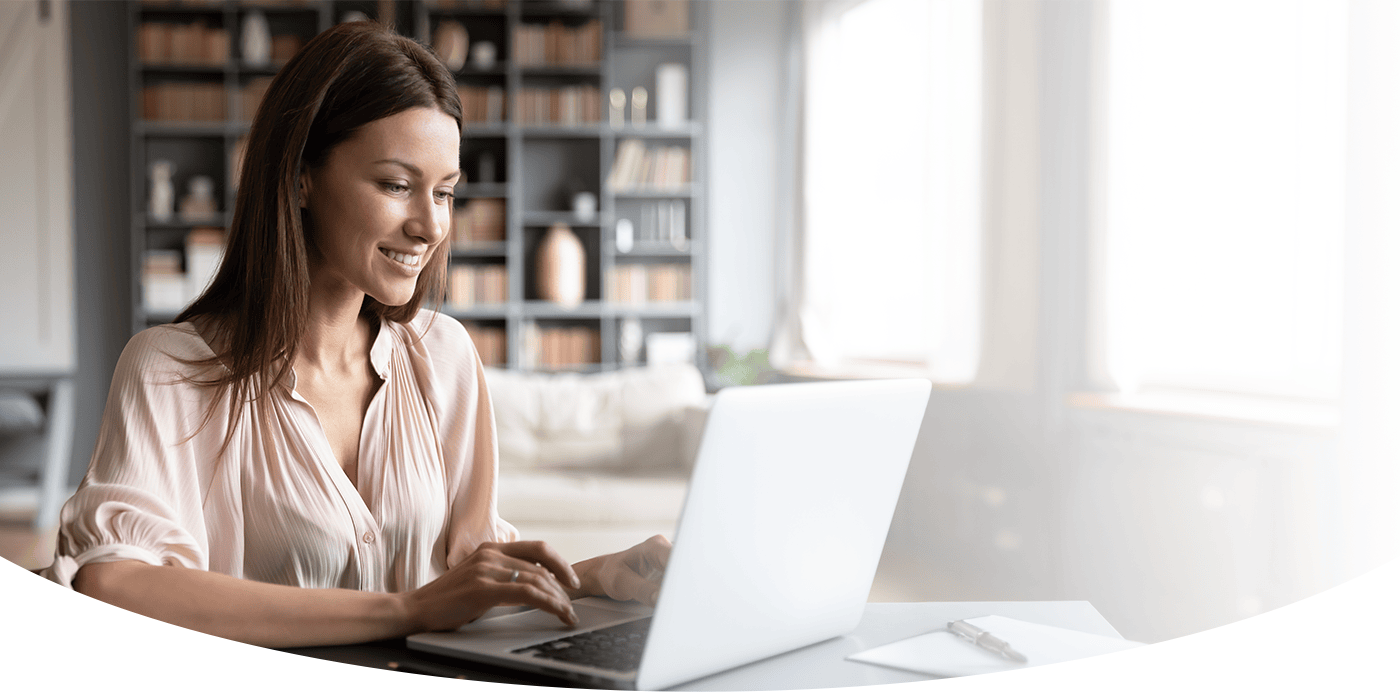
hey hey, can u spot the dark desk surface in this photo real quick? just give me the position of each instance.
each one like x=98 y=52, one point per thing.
x=821 y=665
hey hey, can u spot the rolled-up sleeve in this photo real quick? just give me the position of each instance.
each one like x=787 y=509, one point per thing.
x=142 y=496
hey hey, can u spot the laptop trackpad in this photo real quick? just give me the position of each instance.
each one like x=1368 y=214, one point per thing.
x=531 y=626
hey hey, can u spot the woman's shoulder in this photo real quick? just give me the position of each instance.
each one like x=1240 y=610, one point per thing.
x=172 y=349
x=440 y=332
x=440 y=344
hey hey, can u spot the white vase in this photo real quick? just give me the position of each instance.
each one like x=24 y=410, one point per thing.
x=162 y=204
x=256 y=40
x=559 y=267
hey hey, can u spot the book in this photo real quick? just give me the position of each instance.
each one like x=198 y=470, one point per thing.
x=181 y=44
x=481 y=104
x=557 y=347
x=490 y=342
x=557 y=44
x=634 y=283
x=480 y=221
x=657 y=18
x=472 y=284
x=183 y=101
x=204 y=250
x=637 y=166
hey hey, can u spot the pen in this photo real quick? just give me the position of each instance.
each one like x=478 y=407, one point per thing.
x=984 y=639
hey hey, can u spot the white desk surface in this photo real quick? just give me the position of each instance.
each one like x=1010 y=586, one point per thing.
x=824 y=665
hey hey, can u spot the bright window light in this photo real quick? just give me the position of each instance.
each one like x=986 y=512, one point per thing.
x=893 y=186
x=1224 y=185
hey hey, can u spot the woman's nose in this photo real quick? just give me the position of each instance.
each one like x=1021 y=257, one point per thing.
x=430 y=219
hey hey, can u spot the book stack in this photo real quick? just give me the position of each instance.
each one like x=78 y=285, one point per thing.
x=482 y=104
x=560 y=346
x=284 y=47
x=557 y=44
x=469 y=285
x=638 y=166
x=490 y=342
x=252 y=97
x=202 y=102
x=195 y=44
x=640 y=284
x=480 y=221
x=162 y=282
x=168 y=286
x=204 y=250
x=576 y=104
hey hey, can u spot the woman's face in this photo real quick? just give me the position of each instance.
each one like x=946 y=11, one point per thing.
x=381 y=204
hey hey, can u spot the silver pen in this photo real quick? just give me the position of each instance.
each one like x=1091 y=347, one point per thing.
x=984 y=639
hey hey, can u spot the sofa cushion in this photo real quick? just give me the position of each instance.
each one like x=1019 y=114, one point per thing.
x=634 y=420
x=582 y=498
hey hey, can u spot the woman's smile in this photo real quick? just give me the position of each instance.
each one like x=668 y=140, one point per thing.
x=411 y=264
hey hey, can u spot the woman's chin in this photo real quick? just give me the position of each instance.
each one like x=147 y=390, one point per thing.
x=391 y=299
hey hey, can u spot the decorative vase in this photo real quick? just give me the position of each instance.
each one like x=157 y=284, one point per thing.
x=450 y=43
x=257 y=40
x=483 y=55
x=162 y=204
x=559 y=267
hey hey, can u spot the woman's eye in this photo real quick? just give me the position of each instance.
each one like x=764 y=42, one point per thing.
x=395 y=187
x=444 y=195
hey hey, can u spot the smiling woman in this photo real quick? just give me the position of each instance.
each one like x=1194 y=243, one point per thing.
x=307 y=456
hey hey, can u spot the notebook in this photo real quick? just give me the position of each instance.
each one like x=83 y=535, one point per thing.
x=942 y=653
x=789 y=480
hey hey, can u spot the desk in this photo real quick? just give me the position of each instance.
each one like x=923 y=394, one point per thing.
x=821 y=665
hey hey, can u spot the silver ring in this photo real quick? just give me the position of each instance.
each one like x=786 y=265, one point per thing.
x=514 y=574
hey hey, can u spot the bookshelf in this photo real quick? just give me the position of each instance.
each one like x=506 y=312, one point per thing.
x=539 y=128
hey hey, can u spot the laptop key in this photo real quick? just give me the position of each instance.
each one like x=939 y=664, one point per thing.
x=616 y=648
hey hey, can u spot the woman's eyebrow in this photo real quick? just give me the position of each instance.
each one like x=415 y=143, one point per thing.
x=414 y=169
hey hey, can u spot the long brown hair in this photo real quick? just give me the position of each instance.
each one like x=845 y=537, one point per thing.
x=347 y=76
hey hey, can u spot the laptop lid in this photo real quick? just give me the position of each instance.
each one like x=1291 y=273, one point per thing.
x=784 y=522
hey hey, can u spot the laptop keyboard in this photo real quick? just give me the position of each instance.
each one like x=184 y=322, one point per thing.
x=616 y=648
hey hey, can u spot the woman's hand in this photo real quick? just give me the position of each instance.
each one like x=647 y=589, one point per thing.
x=510 y=573
x=633 y=574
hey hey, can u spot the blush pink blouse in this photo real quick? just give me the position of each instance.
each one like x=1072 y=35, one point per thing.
x=277 y=507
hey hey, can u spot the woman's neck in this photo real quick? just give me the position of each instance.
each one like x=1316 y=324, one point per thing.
x=336 y=337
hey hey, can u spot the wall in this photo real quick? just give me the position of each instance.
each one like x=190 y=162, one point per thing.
x=101 y=174
x=747 y=49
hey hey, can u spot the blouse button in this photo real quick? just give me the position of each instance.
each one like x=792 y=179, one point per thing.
x=368 y=538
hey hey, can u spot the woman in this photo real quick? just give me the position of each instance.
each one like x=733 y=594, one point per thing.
x=305 y=457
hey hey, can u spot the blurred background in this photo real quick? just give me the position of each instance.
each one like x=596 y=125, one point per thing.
x=1145 y=250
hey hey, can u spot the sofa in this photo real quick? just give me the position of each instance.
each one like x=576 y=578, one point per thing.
x=595 y=463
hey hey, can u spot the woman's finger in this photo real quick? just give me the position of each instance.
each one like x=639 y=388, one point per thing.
x=526 y=567
x=544 y=555
x=656 y=552
x=531 y=589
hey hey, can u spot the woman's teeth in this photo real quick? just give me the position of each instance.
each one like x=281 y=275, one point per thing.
x=400 y=257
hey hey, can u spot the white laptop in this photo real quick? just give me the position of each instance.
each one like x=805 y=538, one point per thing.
x=783 y=525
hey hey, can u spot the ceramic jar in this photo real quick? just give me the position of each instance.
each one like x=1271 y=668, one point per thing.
x=559 y=267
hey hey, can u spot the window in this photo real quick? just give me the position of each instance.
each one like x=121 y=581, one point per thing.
x=892 y=184
x=1224 y=182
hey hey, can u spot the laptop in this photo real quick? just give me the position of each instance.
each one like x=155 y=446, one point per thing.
x=783 y=524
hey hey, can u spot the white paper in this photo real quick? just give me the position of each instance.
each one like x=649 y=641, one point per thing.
x=942 y=653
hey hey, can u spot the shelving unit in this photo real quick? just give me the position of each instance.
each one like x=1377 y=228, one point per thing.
x=537 y=167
